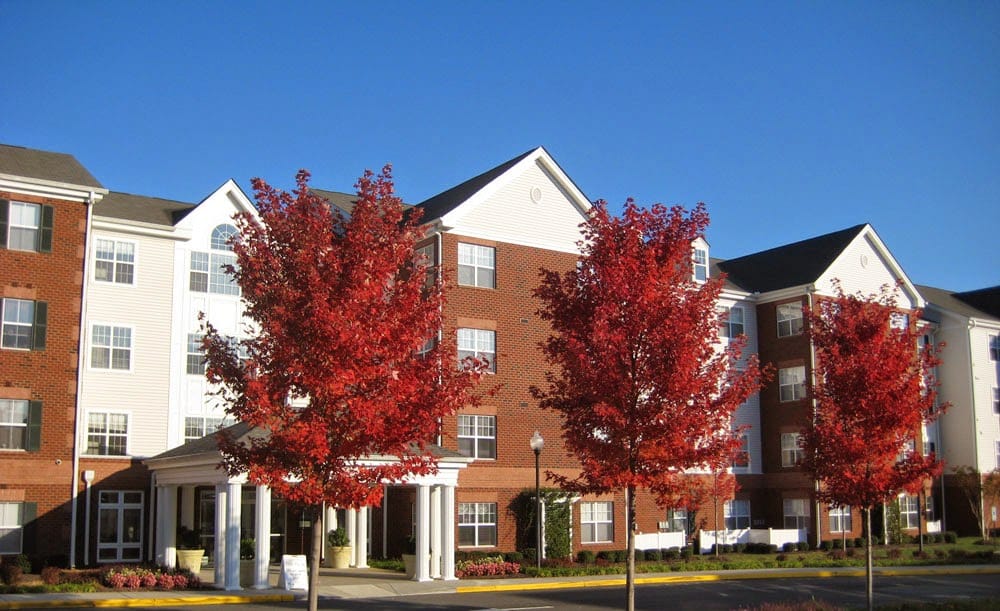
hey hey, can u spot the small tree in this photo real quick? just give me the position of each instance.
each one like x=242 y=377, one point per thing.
x=874 y=389
x=645 y=391
x=331 y=375
x=979 y=490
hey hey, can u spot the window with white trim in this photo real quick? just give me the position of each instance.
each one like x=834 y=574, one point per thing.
x=677 y=520
x=477 y=436
x=796 y=512
x=14 y=424
x=996 y=400
x=196 y=427
x=26 y=226
x=477 y=524
x=597 y=523
x=222 y=237
x=208 y=273
x=899 y=321
x=994 y=345
x=731 y=321
x=741 y=459
x=114 y=261
x=425 y=256
x=789 y=319
x=478 y=343
x=736 y=513
x=792 y=383
x=840 y=519
x=107 y=434
x=24 y=324
x=791 y=452
x=111 y=347
x=195 y=355
x=13 y=517
x=700 y=264
x=119 y=526
x=909 y=514
x=476 y=265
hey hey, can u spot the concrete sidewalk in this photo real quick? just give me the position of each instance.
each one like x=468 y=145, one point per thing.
x=376 y=583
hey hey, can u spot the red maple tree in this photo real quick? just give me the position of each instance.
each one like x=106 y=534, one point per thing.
x=340 y=307
x=874 y=389
x=644 y=388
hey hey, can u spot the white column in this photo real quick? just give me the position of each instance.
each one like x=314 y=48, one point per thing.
x=169 y=521
x=448 y=533
x=352 y=536
x=262 y=537
x=234 y=508
x=361 y=539
x=160 y=549
x=187 y=507
x=423 y=532
x=435 y=517
x=220 y=535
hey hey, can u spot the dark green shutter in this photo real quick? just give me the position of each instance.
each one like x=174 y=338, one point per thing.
x=4 y=211
x=29 y=511
x=40 y=326
x=45 y=234
x=34 y=441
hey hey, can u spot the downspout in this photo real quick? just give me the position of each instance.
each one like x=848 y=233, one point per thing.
x=439 y=259
x=74 y=486
x=975 y=425
x=818 y=509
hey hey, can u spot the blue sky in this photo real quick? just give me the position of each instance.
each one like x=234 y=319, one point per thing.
x=789 y=119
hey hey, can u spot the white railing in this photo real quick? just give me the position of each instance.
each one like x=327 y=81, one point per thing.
x=934 y=527
x=660 y=540
x=770 y=536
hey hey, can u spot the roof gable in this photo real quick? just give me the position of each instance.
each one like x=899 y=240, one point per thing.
x=45 y=165
x=957 y=303
x=228 y=194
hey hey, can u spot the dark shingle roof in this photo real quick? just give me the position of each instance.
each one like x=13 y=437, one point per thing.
x=142 y=208
x=443 y=203
x=45 y=165
x=790 y=265
x=960 y=304
x=344 y=201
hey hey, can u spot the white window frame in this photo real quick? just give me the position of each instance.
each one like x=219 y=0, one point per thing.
x=476 y=517
x=597 y=522
x=206 y=275
x=35 y=230
x=736 y=514
x=12 y=521
x=677 y=520
x=196 y=427
x=114 y=346
x=477 y=429
x=741 y=460
x=909 y=511
x=729 y=327
x=221 y=235
x=840 y=519
x=791 y=452
x=996 y=400
x=124 y=501
x=792 y=384
x=700 y=264
x=15 y=319
x=479 y=260
x=478 y=343
x=106 y=434
x=789 y=317
x=9 y=421
x=993 y=347
x=194 y=362
x=796 y=513
x=121 y=264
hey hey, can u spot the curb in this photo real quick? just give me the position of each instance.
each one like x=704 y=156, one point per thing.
x=174 y=601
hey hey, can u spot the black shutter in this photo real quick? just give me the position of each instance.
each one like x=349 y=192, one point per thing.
x=45 y=233
x=40 y=326
x=29 y=511
x=4 y=212
x=34 y=441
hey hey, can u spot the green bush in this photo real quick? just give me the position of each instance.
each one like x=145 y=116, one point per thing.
x=672 y=553
x=514 y=557
x=859 y=542
x=652 y=555
x=686 y=553
x=951 y=537
x=789 y=546
x=803 y=546
x=586 y=557
x=826 y=545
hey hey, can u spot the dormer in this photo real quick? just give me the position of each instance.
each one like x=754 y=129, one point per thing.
x=699 y=259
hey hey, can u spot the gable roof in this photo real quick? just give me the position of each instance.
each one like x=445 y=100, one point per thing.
x=790 y=265
x=983 y=302
x=344 y=201
x=987 y=300
x=142 y=208
x=443 y=203
x=45 y=165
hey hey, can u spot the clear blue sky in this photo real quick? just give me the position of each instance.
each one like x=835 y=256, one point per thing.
x=789 y=119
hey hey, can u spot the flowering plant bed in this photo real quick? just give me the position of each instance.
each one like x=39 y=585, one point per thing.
x=492 y=566
x=121 y=577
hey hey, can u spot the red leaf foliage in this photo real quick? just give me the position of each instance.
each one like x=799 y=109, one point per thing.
x=340 y=309
x=644 y=388
x=874 y=389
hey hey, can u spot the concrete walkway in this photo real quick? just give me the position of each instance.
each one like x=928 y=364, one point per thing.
x=376 y=583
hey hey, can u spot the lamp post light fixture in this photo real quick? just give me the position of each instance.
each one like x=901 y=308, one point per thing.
x=537 y=443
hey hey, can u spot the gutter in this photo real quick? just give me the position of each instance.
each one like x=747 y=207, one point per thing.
x=975 y=425
x=812 y=375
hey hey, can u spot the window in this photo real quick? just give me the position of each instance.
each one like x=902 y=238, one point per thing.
x=196 y=427
x=741 y=460
x=13 y=518
x=222 y=237
x=677 y=520
x=700 y=264
x=107 y=434
x=840 y=519
x=791 y=453
x=996 y=400
x=597 y=522
x=477 y=524
x=477 y=436
x=25 y=226
x=909 y=516
x=199 y=272
x=20 y=424
x=24 y=324
x=796 y=513
x=899 y=321
x=478 y=343
x=209 y=276
x=737 y=514
x=425 y=255
x=994 y=347
x=476 y=265
x=998 y=455
x=792 y=383
x=111 y=347
x=789 y=319
x=114 y=262
x=119 y=526
x=195 y=355
x=731 y=322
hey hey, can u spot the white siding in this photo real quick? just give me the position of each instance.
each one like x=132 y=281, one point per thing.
x=862 y=268
x=748 y=414
x=984 y=379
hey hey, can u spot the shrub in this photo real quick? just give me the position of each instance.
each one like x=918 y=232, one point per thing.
x=838 y=544
x=920 y=555
x=607 y=555
x=789 y=546
x=686 y=553
x=894 y=553
x=950 y=537
x=848 y=542
x=652 y=555
x=11 y=572
x=52 y=575
x=671 y=554
x=514 y=557
x=639 y=555
x=739 y=548
x=586 y=557
x=803 y=546
x=825 y=545
x=851 y=552
x=781 y=557
x=940 y=553
x=528 y=553
x=487 y=567
x=859 y=542
x=838 y=554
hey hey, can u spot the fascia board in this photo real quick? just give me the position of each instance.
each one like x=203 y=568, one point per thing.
x=869 y=233
x=169 y=232
x=785 y=293
x=51 y=188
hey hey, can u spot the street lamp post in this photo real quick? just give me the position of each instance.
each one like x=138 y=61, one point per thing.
x=536 y=446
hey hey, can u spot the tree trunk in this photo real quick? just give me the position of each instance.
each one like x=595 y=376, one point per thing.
x=630 y=560
x=868 y=557
x=314 y=514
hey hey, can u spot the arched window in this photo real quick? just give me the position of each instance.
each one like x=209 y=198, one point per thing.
x=221 y=235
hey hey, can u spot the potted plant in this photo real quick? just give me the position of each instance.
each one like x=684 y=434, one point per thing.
x=190 y=551
x=338 y=549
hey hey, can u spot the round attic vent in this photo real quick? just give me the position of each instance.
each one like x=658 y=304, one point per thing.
x=864 y=260
x=536 y=195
